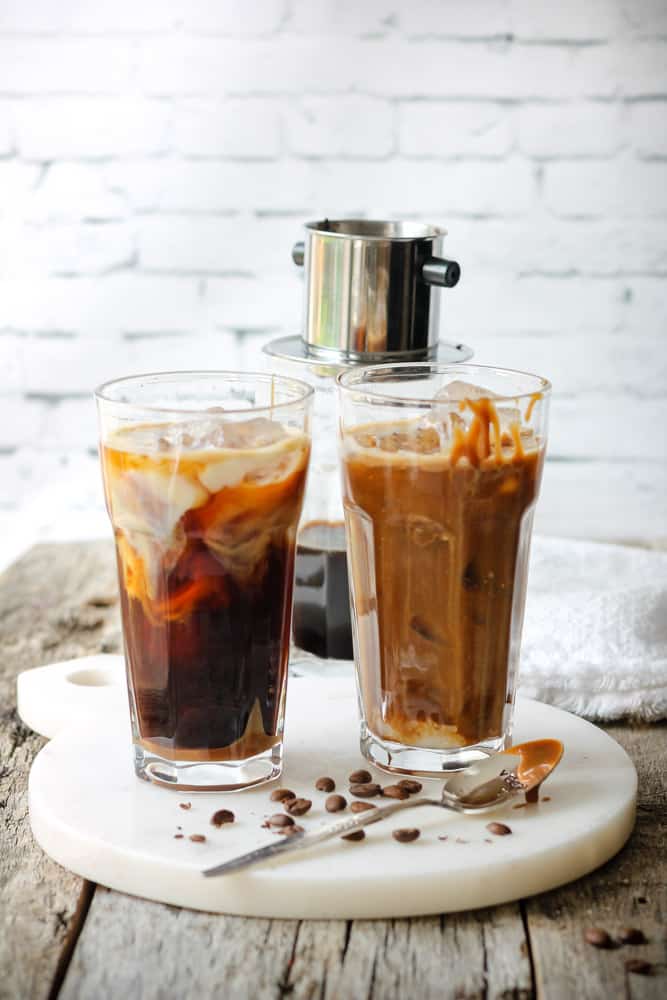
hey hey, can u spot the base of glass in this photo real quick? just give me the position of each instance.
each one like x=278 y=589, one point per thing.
x=397 y=758
x=206 y=775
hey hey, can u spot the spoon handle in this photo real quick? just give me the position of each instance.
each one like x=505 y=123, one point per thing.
x=302 y=841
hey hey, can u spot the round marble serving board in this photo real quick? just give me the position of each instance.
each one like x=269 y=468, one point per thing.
x=91 y=814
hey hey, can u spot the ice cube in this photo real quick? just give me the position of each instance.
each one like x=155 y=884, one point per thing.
x=432 y=435
x=449 y=401
x=507 y=417
x=457 y=391
x=255 y=433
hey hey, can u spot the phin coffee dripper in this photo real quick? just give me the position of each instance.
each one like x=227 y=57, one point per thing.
x=372 y=295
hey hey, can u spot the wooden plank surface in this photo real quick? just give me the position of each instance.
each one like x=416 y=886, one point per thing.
x=629 y=891
x=59 y=602
x=45 y=614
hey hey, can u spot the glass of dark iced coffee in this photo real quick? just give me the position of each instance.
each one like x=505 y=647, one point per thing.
x=204 y=476
x=441 y=470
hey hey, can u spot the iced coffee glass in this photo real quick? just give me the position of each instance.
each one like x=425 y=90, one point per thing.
x=204 y=476
x=441 y=472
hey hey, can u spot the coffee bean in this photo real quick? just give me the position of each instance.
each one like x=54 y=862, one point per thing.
x=499 y=829
x=395 y=792
x=410 y=786
x=631 y=935
x=366 y=790
x=335 y=803
x=359 y=807
x=290 y=831
x=185 y=805
x=598 y=937
x=178 y=836
x=281 y=795
x=638 y=965
x=360 y=777
x=325 y=784
x=197 y=838
x=280 y=820
x=297 y=807
x=406 y=835
x=221 y=817
x=355 y=835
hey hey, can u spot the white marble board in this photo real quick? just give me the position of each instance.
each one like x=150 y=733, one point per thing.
x=91 y=814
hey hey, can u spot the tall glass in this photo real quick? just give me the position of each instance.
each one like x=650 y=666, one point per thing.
x=441 y=472
x=204 y=476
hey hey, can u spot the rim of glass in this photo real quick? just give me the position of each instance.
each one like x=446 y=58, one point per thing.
x=303 y=390
x=349 y=380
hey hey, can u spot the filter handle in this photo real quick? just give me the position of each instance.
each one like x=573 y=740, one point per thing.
x=441 y=272
x=298 y=253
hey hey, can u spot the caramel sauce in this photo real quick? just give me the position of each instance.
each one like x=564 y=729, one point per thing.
x=537 y=759
x=531 y=405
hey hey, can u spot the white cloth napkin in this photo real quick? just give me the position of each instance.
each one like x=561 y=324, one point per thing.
x=595 y=632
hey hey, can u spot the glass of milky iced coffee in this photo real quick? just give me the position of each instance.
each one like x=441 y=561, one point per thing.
x=441 y=472
x=204 y=476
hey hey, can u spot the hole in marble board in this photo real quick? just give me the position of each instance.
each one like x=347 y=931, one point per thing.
x=90 y=678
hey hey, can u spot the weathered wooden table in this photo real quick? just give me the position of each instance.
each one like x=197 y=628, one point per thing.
x=65 y=937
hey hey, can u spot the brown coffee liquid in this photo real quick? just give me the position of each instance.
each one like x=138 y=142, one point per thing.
x=322 y=622
x=436 y=532
x=206 y=592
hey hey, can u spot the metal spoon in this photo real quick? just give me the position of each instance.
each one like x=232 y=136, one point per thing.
x=482 y=786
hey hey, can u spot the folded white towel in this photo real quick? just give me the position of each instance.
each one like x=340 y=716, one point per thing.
x=595 y=633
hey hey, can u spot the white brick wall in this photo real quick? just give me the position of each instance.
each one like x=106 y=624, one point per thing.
x=157 y=158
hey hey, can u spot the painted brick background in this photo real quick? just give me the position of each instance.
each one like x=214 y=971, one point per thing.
x=157 y=158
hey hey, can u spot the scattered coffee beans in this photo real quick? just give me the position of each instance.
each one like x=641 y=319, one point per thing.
x=335 y=803
x=366 y=790
x=325 y=784
x=499 y=829
x=631 y=935
x=359 y=807
x=222 y=816
x=280 y=820
x=406 y=835
x=395 y=792
x=185 y=805
x=355 y=835
x=411 y=786
x=360 y=777
x=598 y=937
x=281 y=795
x=290 y=831
x=197 y=838
x=178 y=836
x=297 y=807
x=638 y=965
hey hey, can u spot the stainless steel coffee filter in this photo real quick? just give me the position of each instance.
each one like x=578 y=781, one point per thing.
x=369 y=288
